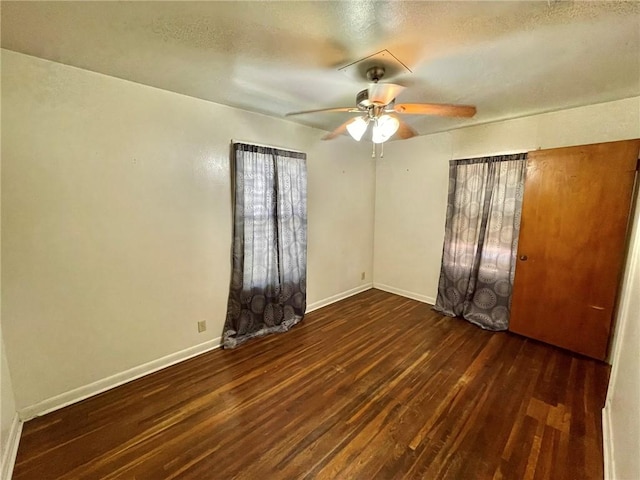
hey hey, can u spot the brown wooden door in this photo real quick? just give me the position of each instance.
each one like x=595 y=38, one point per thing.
x=572 y=244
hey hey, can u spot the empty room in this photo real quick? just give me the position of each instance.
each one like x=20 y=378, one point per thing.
x=320 y=240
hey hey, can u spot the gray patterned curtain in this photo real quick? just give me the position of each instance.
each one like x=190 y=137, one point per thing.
x=268 y=281
x=481 y=239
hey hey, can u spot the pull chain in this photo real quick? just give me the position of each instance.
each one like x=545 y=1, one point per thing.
x=375 y=148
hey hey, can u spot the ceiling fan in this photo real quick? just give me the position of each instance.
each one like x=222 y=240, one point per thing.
x=377 y=108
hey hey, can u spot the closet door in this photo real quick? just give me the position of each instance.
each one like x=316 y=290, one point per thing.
x=572 y=244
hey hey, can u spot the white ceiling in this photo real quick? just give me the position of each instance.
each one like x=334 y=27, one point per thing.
x=510 y=59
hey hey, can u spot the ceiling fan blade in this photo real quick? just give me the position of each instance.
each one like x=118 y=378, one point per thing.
x=342 y=129
x=441 y=109
x=384 y=93
x=405 y=130
x=337 y=109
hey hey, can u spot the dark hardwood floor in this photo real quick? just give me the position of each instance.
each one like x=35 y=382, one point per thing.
x=373 y=387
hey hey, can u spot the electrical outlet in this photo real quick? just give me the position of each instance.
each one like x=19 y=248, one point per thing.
x=362 y=276
x=202 y=326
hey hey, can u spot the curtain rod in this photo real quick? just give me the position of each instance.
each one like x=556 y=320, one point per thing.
x=235 y=140
x=499 y=154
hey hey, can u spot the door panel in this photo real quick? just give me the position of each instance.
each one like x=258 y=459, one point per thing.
x=572 y=242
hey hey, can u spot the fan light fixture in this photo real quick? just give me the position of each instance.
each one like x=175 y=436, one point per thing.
x=384 y=128
x=357 y=127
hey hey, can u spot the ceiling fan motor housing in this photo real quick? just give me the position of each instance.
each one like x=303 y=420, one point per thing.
x=363 y=102
x=362 y=99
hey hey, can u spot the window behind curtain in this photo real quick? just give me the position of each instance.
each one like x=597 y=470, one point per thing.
x=268 y=282
x=481 y=239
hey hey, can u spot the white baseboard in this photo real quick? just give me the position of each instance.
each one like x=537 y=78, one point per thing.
x=78 y=394
x=405 y=293
x=11 y=451
x=607 y=444
x=340 y=296
x=86 y=391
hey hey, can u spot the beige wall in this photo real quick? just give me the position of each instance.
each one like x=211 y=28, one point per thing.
x=411 y=197
x=622 y=412
x=7 y=405
x=412 y=183
x=7 y=399
x=116 y=221
x=411 y=200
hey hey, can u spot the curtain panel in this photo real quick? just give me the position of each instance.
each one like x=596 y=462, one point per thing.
x=481 y=239
x=269 y=274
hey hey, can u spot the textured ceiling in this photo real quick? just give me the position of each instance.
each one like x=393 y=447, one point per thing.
x=510 y=59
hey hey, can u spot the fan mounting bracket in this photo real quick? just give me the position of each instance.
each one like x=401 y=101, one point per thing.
x=374 y=74
x=384 y=59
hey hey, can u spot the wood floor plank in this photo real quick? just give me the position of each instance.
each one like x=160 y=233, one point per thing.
x=375 y=386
